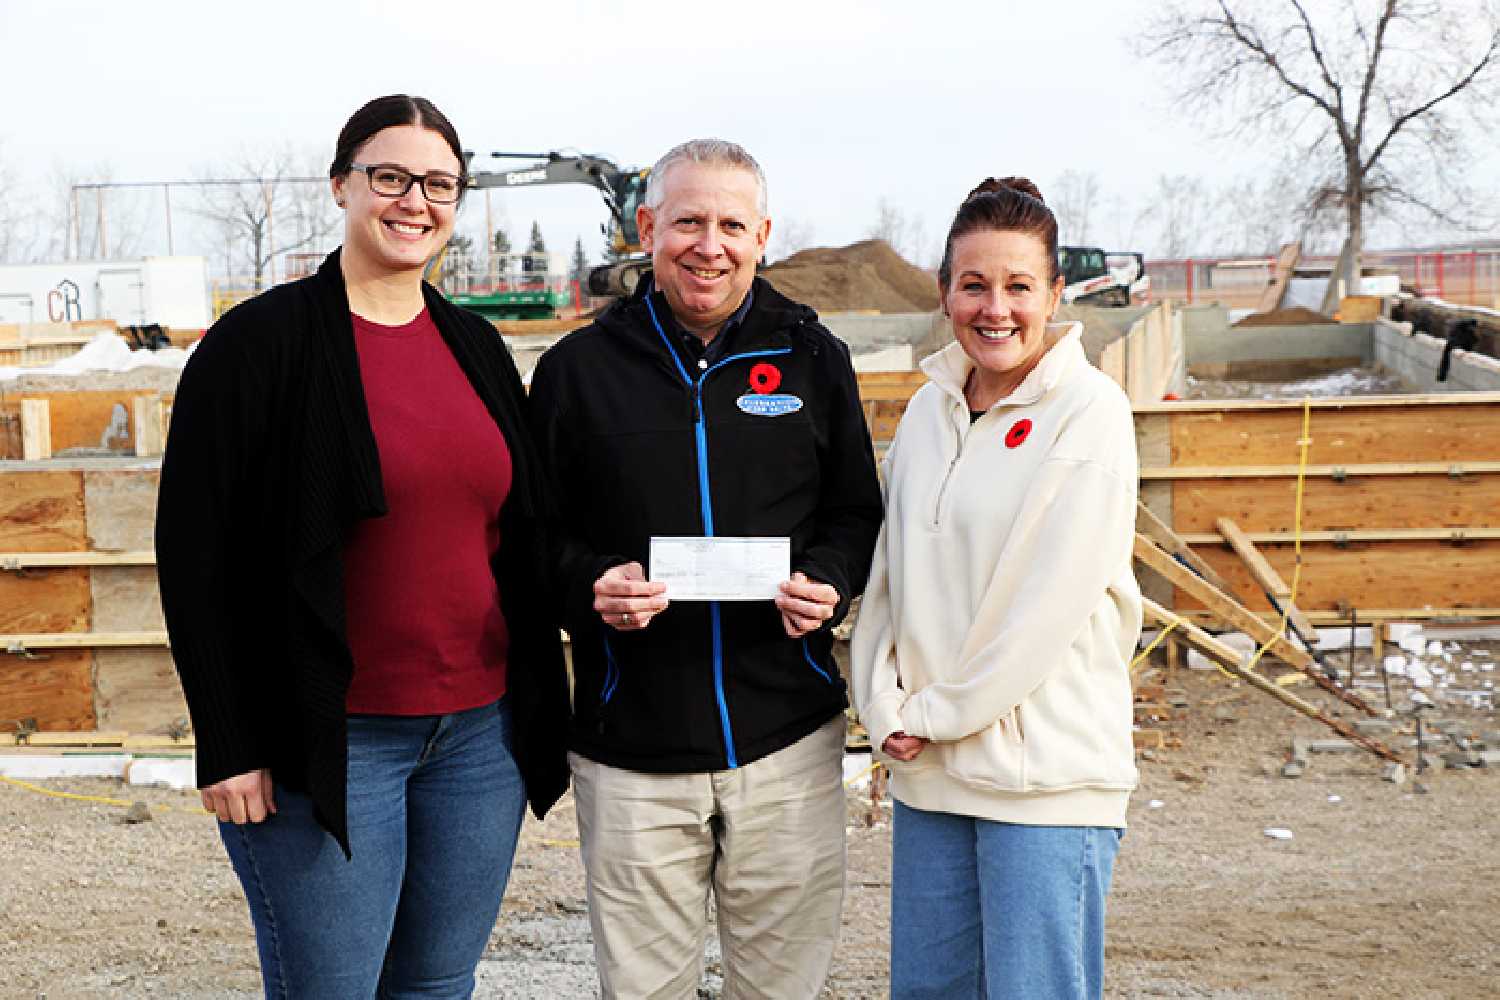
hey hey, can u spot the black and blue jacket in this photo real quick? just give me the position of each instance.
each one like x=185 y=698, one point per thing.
x=766 y=437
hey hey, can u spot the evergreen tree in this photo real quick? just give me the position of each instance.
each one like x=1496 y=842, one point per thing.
x=580 y=267
x=501 y=242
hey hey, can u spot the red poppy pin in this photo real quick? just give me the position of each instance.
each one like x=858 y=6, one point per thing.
x=764 y=378
x=1018 y=432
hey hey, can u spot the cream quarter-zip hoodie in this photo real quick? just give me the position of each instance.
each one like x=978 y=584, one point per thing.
x=1002 y=612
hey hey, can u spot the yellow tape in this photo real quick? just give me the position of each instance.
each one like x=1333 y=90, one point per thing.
x=99 y=799
x=1303 y=442
x=1154 y=643
x=868 y=770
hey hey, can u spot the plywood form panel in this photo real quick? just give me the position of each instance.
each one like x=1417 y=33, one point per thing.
x=138 y=691
x=11 y=442
x=51 y=600
x=58 y=692
x=94 y=421
x=42 y=512
x=125 y=599
x=1360 y=502
x=1384 y=575
x=1414 y=433
x=121 y=508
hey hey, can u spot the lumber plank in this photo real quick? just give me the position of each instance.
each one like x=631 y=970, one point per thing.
x=36 y=429
x=1148 y=739
x=1149 y=525
x=1372 y=503
x=1286 y=263
x=1236 y=615
x=1457 y=400
x=21 y=641
x=1270 y=581
x=1390 y=575
x=85 y=739
x=58 y=692
x=1417 y=430
x=13 y=561
x=1367 y=615
x=1453 y=470
x=1352 y=537
x=1230 y=661
x=149 y=416
x=42 y=511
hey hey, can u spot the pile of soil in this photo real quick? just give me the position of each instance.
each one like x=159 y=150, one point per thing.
x=868 y=275
x=1295 y=316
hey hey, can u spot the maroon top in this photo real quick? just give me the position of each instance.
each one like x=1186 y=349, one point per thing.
x=423 y=607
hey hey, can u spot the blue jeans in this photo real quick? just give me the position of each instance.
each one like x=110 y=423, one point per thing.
x=435 y=806
x=997 y=910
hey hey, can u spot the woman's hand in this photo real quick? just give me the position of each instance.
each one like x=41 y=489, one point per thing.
x=626 y=600
x=899 y=746
x=805 y=604
x=244 y=798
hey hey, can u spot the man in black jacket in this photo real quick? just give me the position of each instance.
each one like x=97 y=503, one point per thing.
x=708 y=735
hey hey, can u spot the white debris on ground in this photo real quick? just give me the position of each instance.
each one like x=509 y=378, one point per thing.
x=107 y=352
x=1438 y=665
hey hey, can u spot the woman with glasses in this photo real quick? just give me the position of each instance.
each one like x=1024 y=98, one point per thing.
x=347 y=542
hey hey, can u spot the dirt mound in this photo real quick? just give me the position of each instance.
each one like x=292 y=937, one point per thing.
x=865 y=275
x=1295 y=316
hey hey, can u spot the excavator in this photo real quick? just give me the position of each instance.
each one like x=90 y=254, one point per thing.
x=623 y=190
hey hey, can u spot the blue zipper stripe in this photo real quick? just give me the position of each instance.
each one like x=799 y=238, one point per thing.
x=807 y=653
x=713 y=611
x=700 y=435
x=611 y=674
x=663 y=334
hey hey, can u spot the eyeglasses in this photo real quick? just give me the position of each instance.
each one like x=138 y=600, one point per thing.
x=391 y=181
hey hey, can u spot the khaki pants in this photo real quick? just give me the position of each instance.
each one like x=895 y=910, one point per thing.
x=768 y=837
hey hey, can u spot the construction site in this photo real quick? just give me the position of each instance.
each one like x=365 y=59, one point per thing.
x=1318 y=540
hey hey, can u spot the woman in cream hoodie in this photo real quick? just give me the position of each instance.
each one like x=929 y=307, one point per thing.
x=990 y=659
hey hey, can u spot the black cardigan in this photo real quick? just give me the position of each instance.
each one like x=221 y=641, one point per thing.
x=270 y=461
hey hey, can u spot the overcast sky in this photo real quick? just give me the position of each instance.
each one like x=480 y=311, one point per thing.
x=844 y=103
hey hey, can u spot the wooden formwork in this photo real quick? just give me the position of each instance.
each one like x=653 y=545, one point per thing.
x=1145 y=361
x=27 y=345
x=82 y=645
x=1400 y=500
x=1400 y=503
x=40 y=424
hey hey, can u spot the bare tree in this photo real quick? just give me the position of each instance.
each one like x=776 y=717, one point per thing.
x=790 y=236
x=1073 y=200
x=1369 y=93
x=10 y=213
x=271 y=204
x=1175 y=217
x=906 y=234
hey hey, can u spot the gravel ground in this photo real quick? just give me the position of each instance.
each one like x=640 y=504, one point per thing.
x=1383 y=891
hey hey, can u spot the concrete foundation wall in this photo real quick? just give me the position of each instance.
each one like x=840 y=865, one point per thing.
x=1207 y=346
x=1416 y=356
x=876 y=340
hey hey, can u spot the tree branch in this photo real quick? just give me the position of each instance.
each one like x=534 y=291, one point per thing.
x=1456 y=88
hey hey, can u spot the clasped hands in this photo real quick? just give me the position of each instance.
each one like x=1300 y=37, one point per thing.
x=627 y=601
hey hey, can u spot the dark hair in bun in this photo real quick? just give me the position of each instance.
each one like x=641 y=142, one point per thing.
x=1007 y=205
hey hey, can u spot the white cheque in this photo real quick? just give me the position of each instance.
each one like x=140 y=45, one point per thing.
x=720 y=569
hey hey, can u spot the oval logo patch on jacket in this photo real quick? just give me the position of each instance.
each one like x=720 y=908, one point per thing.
x=771 y=404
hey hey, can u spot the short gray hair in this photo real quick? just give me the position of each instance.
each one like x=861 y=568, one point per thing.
x=714 y=152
